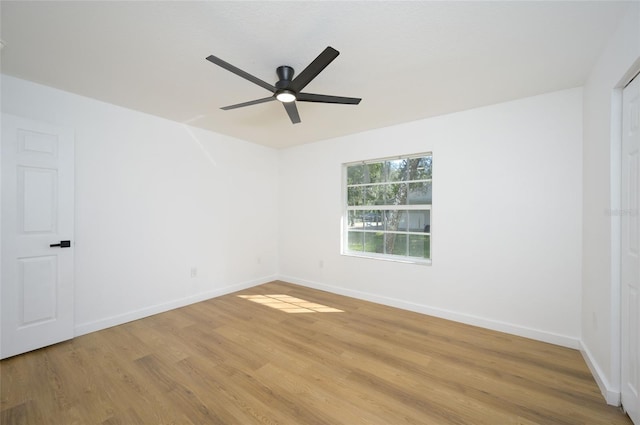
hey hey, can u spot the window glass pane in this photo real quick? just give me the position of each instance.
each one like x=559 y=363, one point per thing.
x=396 y=170
x=419 y=193
x=395 y=220
x=355 y=174
x=372 y=220
x=396 y=194
x=396 y=244
x=373 y=173
x=356 y=241
x=419 y=246
x=369 y=195
x=374 y=242
x=354 y=219
x=387 y=193
x=420 y=168
x=375 y=195
x=419 y=221
x=355 y=196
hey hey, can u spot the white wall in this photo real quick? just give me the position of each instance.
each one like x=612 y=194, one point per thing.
x=600 y=263
x=507 y=201
x=153 y=199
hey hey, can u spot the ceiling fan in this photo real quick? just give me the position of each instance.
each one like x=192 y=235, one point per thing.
x=288 y=90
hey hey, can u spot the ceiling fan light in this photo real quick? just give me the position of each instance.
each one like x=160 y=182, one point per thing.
x=286 y=96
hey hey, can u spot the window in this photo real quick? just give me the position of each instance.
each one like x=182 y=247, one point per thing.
x=387 y=211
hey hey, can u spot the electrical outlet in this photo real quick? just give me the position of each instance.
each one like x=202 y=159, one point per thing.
x=194 y=272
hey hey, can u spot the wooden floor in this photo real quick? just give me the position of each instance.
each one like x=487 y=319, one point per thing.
x=230 y=360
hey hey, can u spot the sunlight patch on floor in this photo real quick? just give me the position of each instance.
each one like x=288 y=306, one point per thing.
x=290 y=304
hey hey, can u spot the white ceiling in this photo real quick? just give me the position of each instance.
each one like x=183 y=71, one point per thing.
x=406 y=60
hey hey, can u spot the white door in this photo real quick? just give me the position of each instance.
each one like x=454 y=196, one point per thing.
x=37 y=292
x=630 y=250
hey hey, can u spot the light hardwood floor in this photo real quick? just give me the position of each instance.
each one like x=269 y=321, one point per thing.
x=233 y=361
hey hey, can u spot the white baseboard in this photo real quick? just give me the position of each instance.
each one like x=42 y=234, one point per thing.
x=610 y=395
x=97 y=325
x=552 y=338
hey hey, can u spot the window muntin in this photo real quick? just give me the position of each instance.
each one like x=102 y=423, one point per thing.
x=387 y=210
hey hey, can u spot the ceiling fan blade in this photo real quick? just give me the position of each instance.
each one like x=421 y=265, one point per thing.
x=249 y=103
x=292 y=110
x=314 y=68
x=323 y=98
x=241 y=73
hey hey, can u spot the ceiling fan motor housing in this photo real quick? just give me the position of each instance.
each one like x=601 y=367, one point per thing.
x=285 y=75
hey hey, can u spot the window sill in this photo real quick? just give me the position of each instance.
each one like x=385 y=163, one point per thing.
x=372 y=256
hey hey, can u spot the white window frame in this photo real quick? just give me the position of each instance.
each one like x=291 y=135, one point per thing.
x=411 y=207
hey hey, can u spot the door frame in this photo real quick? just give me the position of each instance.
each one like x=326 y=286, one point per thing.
x=616 y=229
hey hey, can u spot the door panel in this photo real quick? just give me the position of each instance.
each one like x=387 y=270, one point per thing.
x=630 y=232
x=37 y=282
x=37 y=295
x=37 y=199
